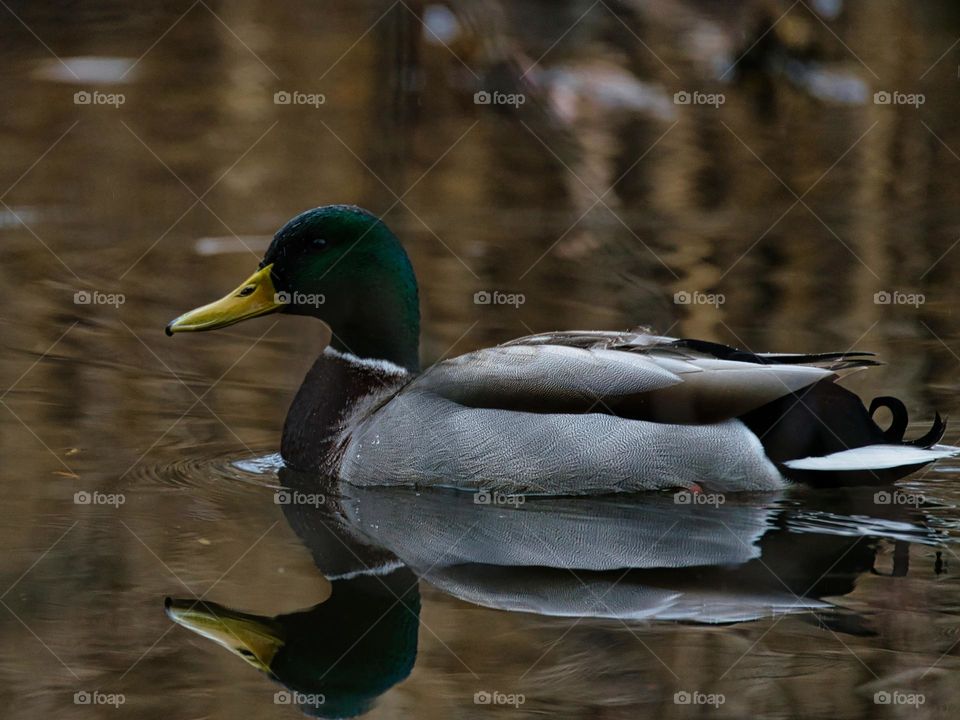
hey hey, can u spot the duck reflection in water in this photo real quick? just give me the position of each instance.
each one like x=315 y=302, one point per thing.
x=646 y=558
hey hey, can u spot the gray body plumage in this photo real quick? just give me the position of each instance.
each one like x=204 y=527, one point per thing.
x=583 y=412
x=424 y=439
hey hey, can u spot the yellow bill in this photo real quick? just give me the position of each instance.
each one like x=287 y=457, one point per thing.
x=256 y=296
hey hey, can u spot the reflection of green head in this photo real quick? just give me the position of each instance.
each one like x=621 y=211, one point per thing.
x=335 y=658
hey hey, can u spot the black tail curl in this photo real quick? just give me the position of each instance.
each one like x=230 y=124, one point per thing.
x=894 y=434
x=825 y=418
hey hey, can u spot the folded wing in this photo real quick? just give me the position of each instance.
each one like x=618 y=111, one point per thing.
x=634 y=375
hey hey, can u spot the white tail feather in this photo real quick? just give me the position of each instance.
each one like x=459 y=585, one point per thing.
x=874 y=457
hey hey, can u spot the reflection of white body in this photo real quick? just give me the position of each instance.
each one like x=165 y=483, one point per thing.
x=449 y=528
x=573 y=557
x=563 y=595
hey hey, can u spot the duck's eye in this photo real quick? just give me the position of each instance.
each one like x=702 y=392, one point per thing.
x=319 y=243
x=246 y=653
x=246 y=291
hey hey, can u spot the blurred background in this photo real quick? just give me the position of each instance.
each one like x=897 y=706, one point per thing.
x=777 y=175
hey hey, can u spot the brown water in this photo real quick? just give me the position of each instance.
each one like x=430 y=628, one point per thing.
x=598 y=199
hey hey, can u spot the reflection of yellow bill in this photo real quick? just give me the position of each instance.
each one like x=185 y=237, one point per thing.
x=255 y=639
x=256 y=296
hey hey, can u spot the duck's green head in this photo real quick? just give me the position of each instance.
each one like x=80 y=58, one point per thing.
x=341 y=264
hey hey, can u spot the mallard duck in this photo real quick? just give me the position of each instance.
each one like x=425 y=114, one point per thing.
x=556 y=413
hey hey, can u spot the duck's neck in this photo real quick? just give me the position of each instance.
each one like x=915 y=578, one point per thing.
x=379 y=325
x=320 y=413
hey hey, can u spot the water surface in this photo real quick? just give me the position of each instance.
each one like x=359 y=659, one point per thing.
x=799 y=214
